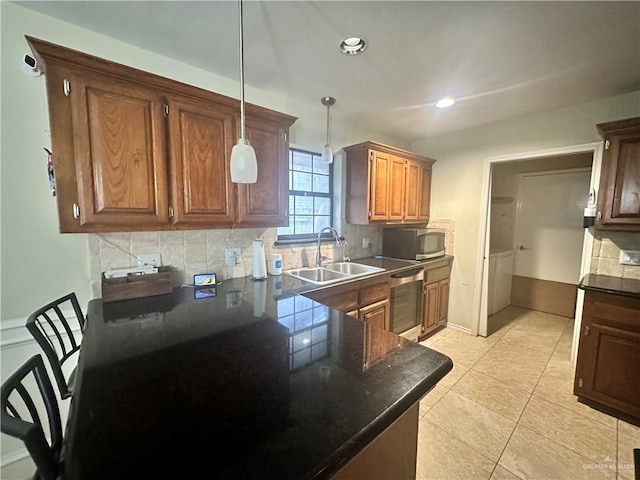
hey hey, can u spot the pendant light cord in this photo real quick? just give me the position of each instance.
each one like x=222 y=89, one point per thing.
x=242 y=131
x=328 y=107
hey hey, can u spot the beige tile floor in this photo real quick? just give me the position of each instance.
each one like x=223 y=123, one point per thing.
x=506 y=410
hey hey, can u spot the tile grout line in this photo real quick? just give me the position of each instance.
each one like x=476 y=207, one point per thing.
x=560 y=406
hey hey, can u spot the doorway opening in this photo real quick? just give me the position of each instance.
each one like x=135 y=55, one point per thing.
x=532 y=241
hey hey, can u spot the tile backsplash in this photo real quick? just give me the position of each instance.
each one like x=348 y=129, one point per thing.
x=449 y=227
x=189 y=252
x=197 y=251
x=606 y=253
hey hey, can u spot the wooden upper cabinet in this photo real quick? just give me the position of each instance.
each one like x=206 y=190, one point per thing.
x=200 y=139
x=136 y=151
x=619 y=195
x=266 y=202
x=119 y=152
x=387 y=185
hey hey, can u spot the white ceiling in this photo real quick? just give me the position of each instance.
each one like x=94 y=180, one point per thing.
x=500 y=59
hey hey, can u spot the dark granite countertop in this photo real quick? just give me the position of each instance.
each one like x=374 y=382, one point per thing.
x=254 y=382
x=615 y=285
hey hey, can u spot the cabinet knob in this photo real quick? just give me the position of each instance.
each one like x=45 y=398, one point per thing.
x=587 y=330
x=76 y=211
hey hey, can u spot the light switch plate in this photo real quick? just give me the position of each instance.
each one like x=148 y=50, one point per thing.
x=630 y=257
x=232 y=256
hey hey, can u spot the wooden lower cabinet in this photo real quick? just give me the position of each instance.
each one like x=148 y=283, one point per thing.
x=392 y=455
x=435 y=302
x=607 y=372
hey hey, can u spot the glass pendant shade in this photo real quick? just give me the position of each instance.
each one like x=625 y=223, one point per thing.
x=244 y=165
x=327 y=154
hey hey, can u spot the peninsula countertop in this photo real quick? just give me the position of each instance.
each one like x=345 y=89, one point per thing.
x=254 y=382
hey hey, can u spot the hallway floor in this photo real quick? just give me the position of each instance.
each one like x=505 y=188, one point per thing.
x=506 y=410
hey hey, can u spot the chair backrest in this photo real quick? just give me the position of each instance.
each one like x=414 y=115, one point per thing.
x=20 y=417
x=54 y=333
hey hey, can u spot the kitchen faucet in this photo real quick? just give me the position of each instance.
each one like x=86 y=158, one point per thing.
x=333 y=231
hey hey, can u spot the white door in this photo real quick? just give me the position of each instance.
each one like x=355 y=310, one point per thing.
x=549 y=232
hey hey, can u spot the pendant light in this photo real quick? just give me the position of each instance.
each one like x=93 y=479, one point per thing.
x=327 y=153
x=244 y=165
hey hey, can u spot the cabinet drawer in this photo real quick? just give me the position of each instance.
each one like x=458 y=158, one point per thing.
x=437 y=274
x=343 y=300
x=373 y=293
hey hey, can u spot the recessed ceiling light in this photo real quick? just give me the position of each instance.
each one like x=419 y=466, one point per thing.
x=445 y=102
x=353 y=45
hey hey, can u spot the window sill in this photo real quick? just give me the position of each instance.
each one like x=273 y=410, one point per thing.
x=294 y=242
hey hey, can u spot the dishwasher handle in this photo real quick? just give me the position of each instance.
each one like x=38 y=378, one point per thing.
x=413 y=275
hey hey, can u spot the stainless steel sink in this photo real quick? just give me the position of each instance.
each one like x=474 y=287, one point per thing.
x=317 y=275
x=351 y=268
x=332 y=272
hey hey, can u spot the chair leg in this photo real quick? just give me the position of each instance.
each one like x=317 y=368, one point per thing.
x=636 y=462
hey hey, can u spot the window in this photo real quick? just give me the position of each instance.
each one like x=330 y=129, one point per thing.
x=310 y=196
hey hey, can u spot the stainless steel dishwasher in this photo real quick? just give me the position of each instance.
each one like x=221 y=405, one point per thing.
x=406 y=302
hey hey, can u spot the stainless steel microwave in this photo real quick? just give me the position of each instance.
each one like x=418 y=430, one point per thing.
x=413 y=243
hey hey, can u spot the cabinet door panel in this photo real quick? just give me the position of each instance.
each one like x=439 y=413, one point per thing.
x=201 y=138
x=378 y=342
x=609 y=360
x=626 y=197
x=379 y=174
x=119 y=150
x=376 y=315
x=443 y=301
x=265 y=203
x=430 y=306
x=397 y=179
x=425 y=193
x=413 y=190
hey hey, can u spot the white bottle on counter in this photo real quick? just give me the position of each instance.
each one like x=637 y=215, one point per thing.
x=275 y=264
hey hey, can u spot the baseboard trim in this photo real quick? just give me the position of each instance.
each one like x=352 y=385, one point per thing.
x=13 y=457
x=14 y=333
x=458 y=327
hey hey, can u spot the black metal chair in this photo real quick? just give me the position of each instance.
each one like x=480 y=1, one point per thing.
x=57 y=340
x=20 y=417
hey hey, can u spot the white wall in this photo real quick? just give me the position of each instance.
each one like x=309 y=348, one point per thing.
x=40 y=263
x=457 y=175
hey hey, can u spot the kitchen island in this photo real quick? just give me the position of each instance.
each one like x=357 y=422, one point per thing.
x=251 y=381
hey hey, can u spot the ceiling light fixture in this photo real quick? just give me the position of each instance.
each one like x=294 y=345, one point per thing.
x=445 y=102
x=244 y=165
x=353 y=46
x=327 y=153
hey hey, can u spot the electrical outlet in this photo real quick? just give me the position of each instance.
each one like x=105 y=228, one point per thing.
x=630 y=257
x=232 y=256
x=366 y=242
x=149 y=259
